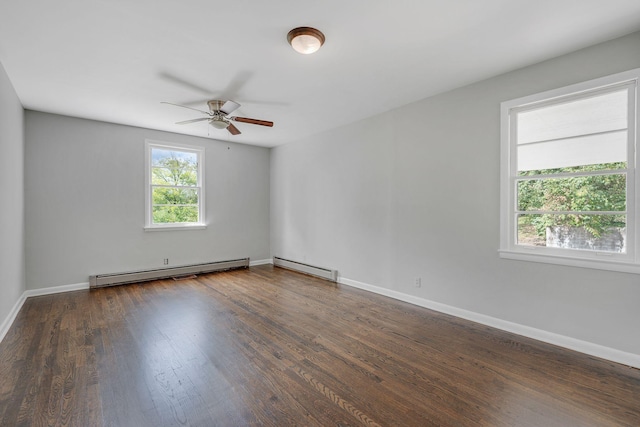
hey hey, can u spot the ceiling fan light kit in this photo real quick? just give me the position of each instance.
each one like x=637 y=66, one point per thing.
x=219 y=123
x=305 y=40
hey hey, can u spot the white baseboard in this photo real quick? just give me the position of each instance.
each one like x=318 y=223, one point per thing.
x=260 y=262
x=586 y=347
x=56 y=289
x=4 y=328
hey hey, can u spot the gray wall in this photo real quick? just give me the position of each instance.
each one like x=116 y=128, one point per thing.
x=415 y=193
x=12 y=255
x=85 y=202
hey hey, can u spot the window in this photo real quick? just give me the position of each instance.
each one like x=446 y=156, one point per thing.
x=568 y=175
x=174 y=186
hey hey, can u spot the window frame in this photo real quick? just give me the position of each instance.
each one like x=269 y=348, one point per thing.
x=628 y=262
x=200 y=186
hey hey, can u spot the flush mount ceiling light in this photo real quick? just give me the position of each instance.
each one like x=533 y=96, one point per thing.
x=305 y=40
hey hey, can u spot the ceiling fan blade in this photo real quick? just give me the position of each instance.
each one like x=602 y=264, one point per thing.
x=233 y=130
x=252 y=121
x=229 y=107
x=184 y=106
x=185 y=122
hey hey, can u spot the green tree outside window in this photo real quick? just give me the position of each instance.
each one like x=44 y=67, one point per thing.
x=175 y=191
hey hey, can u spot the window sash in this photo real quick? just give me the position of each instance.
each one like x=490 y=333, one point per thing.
x=197 y=205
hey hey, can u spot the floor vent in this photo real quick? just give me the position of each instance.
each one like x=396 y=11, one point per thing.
x=324 y=273
x=101 y=280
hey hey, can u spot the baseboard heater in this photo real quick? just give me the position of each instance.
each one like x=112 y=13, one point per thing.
x=101 y=280
x=324 y=273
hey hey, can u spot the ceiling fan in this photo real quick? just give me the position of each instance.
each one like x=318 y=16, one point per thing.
x=218 y=116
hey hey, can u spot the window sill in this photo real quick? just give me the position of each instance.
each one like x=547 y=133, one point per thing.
x=175 y=227
x=598 y=264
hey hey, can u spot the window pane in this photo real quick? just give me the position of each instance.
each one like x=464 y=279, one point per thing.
x=174 y=196
x=603 y=233
x=581 y=193
x=174 y=214
x=172 y=167
x=596 y=114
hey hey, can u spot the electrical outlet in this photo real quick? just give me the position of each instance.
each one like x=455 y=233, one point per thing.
x=418 y=282
x=166 y=261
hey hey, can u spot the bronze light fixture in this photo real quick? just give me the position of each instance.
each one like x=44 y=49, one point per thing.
x=305 y=40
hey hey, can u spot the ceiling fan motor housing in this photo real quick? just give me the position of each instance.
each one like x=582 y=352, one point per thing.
x=215 y=105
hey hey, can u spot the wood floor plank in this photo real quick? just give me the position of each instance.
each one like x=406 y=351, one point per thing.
x=270 y=347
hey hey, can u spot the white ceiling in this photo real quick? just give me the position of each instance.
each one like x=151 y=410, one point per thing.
x=116 y=60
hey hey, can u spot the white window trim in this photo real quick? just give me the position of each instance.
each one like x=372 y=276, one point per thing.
x=628 y=263
x=149 y=226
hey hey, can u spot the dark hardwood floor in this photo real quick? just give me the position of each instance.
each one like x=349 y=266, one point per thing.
x=271 y=347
